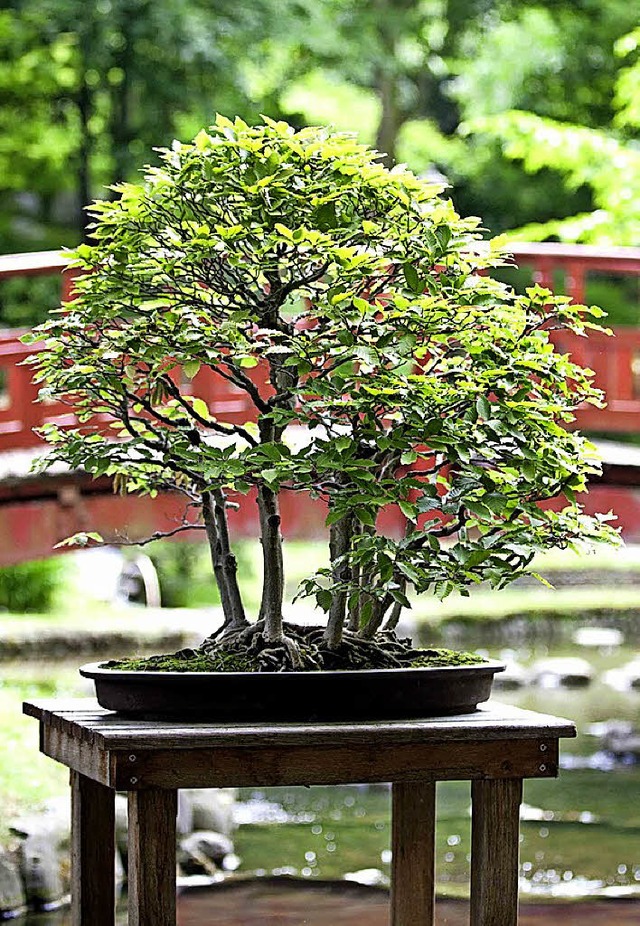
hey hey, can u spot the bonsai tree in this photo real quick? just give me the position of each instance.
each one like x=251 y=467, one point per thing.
x=394 y=371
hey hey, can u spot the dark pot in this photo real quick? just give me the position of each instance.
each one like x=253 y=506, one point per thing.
x=295 y=696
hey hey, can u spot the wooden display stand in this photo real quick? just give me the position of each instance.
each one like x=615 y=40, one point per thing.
x=495 y=748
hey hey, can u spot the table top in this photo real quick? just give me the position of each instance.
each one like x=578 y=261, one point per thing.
x=85 y=720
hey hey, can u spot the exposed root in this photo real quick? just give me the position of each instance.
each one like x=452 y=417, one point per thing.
x=301 y=649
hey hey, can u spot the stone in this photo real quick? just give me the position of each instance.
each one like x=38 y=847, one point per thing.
x=41 y=871
x=607 y=638
x=12 y=894
x=43 y=853
x=562 y=671
x=184 y=820
x=203 y=851
x=514 y=676
x=618 y=737
x=121 y=812
x=211 y=808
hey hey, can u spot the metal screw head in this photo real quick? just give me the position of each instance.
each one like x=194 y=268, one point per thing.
x=133 y=758
x=133 y=780
x=543 y=768
x=543 y=748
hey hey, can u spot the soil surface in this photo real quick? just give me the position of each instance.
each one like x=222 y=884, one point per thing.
x=288 y=903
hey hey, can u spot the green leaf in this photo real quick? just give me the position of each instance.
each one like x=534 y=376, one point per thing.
x=326 y=216
x=412 y=277
x=408 y=509
x=542 y=580
x=483 y=407
x=324 y=599
x=191 y=368
x=200 y=407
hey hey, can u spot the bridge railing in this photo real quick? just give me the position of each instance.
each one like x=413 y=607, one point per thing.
x=616 y=360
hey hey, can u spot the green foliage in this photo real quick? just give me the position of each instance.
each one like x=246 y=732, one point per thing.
x=184 y=573
x=606 y=161
x=608 y=165
x=30 y=587
x=37 y=136
x=360 y=293
x=88 y=89
x=26 y=301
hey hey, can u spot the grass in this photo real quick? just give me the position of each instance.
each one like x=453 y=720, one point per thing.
x=27 y=778
x=559 y=603
x=611 y=559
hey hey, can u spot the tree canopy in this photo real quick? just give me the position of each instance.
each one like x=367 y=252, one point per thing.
x=394 y=371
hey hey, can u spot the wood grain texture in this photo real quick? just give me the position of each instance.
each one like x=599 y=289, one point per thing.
x=152 y=858
x=413 y=821
x=76 y=754
x=494 y=852
x=92 y=853
x=367 y=761
x=112 y=731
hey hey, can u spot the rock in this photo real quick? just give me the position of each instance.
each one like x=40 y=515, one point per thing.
x=562 y=671
x=618 y=737
x=371 y=877
x=514 y=676
x=12 y=894
x=43 y=853
x=211 y=808
x=599 y=637
x=199 y=809
x=624 y=678
x=203 y=851
x=184 y=820
x=121 y=827
x=40 y=868
x=54 y=819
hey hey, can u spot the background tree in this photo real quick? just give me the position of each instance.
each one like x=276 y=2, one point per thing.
x=87 y=88
x=607 y=162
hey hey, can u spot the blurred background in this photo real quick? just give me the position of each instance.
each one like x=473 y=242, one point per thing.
x=531 y=111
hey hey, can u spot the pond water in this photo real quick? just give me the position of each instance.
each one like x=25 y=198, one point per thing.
x=580 y=834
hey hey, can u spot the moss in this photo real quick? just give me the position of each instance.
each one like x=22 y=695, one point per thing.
x=185 y=661
x=226 y=660
x=445 y=657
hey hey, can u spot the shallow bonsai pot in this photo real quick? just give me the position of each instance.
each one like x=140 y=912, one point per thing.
x=294 y=696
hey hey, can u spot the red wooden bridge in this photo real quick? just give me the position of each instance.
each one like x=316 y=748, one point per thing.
x=38 y=510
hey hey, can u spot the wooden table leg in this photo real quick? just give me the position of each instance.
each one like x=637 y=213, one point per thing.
x=413 y=819
x=152 y=857
x=495 y=839
x=92 y=852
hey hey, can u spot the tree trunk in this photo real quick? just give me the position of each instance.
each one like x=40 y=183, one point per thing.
x=85 y=106
x=120 y=117
x=374 y=624
x=339 y=542
x=222 y=559
x=391 y=118
x=273 y=565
